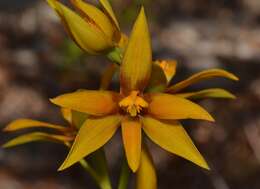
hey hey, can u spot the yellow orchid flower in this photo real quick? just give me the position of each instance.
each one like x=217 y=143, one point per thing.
x=95 y=165
x=157 y=114
x=63 y=134
x=92 y=29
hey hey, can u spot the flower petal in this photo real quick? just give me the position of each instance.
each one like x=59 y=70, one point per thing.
x=95 y=16
x=109 y=11
x=168 y=67
x=208 y=74
x=96 y=103
x=36 y=136
x=29 y=123
x=78 y=118
x=93 y=134
x=137 y=61
x=146 y=170
x=67 y=114
x=132 y=137
x=173 y=138
x=166 y=106
x=85 y=35
x=207 y=93
x=158 y=80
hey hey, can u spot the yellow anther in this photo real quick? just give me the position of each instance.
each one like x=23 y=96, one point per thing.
x=133 y=103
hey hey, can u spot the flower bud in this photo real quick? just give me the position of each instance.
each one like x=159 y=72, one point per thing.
x=93 y=30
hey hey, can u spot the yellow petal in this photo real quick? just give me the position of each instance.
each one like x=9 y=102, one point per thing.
x=36 y=136
x=86 y=35
x=95 y=16
x=78 y=118
x=137 y=61
x=108 y=9
x=67 y=114
x=29 y=123
x=146 y=171
x=207 y=93
x=166 y=106
x=173 y=138
x=131 y=132
x=168 y=67
x=208 y=74
x=93 y=134
x=91 y=102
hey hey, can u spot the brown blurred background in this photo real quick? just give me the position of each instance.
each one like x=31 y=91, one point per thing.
x=38 y=61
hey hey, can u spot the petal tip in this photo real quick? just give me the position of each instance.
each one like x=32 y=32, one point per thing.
x=206 y=167
x=234 y=77
x=53 y=101
x=134 y=168
x=62 y=167
x=210 y=118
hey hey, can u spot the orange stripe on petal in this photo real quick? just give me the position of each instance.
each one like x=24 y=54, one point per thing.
x=97 y=103
x=166 y=106
x=131 y=132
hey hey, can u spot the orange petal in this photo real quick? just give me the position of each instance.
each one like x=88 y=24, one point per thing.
x=172 y=137
x=137 y=60
x=97 y=103
x=93 y=134
x=131 y=132
x=166 y=106
x=204 y=75
x=168 y=67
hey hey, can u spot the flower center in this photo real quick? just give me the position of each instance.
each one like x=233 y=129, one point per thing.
x=133 y=104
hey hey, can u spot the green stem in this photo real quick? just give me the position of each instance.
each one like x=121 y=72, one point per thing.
x=94 y=175
x=89 y=169
x=99 y=179
x=124 y=175
x=115 y=55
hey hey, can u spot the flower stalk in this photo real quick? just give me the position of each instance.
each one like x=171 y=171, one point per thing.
x=124 y=175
